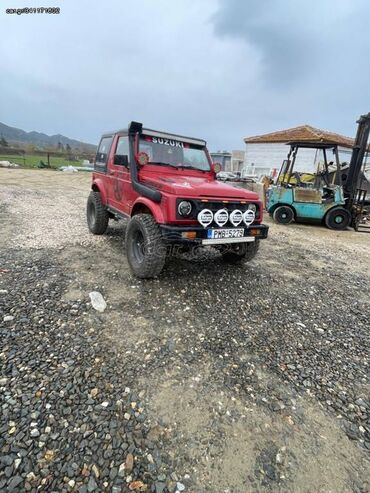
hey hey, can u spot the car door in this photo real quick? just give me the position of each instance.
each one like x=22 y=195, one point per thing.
x=119 y=196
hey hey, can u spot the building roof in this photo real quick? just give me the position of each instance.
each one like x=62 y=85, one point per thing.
x=302 y=133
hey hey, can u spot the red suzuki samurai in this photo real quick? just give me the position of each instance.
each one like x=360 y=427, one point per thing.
x=165 y=185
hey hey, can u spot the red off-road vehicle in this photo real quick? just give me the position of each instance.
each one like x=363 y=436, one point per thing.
x=165 y=185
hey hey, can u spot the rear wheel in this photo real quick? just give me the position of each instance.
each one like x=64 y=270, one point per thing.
x=338 y=218
x=145 y=249
x=96 y=214
x=240 y=252
x=283 y=214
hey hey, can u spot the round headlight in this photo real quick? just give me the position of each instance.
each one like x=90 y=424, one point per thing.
x=252 y=207
x=184 y=208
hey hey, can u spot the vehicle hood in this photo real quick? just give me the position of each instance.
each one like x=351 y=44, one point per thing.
x=196 y=186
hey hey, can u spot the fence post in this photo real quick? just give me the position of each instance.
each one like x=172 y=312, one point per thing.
x=48 y=160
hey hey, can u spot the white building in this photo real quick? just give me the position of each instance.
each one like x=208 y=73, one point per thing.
x=264 y=153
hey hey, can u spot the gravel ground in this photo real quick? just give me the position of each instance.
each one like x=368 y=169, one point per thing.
x=209 y=379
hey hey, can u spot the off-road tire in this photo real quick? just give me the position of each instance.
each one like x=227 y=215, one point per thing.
x=240 y=252
x=283 y=214
x=145 y=248
x=334 y=215
x=96 y=214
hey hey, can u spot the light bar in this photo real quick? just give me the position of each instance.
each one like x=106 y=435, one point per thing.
x=164 y=135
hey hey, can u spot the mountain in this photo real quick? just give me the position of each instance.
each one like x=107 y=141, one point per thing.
x=17 y=136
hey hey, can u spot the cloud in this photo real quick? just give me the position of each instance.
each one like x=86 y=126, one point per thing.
x=96 y=67
x=217 y=69
x=295 y=38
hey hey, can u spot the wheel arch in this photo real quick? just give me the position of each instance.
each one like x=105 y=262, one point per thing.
x=98 y=186
x=145 y=206
x=335 y=206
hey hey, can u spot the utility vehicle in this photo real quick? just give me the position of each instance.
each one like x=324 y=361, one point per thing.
x=335 y=194
x=165 y=185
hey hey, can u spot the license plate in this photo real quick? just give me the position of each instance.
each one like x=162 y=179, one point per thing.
x=216 y=234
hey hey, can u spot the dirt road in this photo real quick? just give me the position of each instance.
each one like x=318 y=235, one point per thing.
x=231 y=379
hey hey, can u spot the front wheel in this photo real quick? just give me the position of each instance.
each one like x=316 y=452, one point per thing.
x=145 y=249
x=96 y=214
x=240 y=252
x=338 y=218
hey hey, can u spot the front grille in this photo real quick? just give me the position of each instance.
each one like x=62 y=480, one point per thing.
x=214 y=206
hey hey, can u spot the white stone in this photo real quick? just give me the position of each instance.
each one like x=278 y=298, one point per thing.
x=97 y=301
x=121 y=470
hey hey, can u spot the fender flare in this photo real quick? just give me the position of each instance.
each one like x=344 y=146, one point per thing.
x=154 y=208
x=98 y=186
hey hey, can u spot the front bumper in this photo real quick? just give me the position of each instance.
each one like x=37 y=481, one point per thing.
x=198 y=234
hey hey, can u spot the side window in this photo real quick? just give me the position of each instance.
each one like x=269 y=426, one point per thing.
x=103 y=151
x=123 y=147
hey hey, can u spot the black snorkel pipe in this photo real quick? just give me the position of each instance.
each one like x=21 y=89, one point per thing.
x=134 y=130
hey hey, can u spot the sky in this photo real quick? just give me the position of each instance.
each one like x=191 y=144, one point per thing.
x=215 y=69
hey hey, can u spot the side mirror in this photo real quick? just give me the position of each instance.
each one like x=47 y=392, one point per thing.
x=120 y=159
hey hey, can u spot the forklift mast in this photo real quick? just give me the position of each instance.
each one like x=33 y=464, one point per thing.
x=350 y=187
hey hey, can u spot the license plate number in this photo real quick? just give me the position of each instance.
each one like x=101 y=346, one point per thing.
x=225 y=233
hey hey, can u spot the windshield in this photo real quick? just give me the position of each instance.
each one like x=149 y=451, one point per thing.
x=175 y=153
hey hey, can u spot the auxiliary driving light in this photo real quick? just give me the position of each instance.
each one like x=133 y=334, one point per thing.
x=142 y=158
x=248 y=217
x=205 y=217
x=184 y=208
x=236 y=217
x=221 y=217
